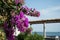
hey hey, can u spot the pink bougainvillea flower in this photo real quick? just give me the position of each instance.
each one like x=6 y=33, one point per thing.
x=19 y=1
x=25 y=9
x=30 y=12
x=26 y=22
x=21 y=14
x=34 y=13
x=9 y=31
x=16 y=2
x=21 y=22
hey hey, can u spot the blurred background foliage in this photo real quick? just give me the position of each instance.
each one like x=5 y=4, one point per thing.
x=35 y=36
x=29 y=36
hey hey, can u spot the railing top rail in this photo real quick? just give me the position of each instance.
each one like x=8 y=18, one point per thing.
x=45 y=21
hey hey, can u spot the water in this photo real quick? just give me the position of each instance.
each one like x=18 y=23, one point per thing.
x=49 y=33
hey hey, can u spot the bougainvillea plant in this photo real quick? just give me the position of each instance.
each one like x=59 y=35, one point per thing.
x=12 y=15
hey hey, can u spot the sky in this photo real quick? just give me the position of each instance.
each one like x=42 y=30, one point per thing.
x=49 y=9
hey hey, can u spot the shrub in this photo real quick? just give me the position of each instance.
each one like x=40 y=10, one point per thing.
x=24 y=36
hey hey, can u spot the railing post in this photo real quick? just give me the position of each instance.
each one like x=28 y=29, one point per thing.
x=44 y=30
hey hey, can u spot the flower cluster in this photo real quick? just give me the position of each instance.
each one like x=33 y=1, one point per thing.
x=30 y=11
x=21 y=22
x=9 y=31
x=12 y=14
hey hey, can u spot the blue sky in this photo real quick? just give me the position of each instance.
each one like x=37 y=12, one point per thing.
x=49 y=9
